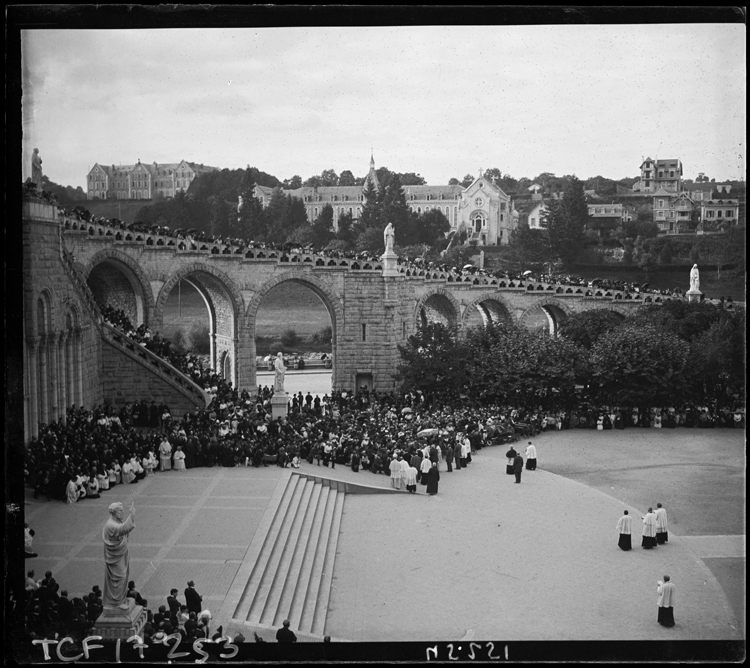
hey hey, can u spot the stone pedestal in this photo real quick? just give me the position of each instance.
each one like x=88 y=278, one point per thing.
x=694 y=295
x=121 y=623
x=390 y=263
x=279 y=404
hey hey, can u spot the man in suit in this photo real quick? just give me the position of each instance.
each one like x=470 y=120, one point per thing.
x=174 y=604
x=285 y=634
x=193 y=599
x=518 y=467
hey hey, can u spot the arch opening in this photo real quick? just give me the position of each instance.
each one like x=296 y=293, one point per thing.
x=485 y=312
x=115 y=285
x=295 y=317
x=438 y=308
x=544 y=317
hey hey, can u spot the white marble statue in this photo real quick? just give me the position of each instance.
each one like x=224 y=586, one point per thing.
x=389 y=236
x=36 y=168
x=278 y=381
x=695 y=280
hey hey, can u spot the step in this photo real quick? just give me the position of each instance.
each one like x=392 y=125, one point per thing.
x=269 y=538
x=263 y=581
x=324 y=594
x=297 y=603
x=313 y=589
x=288 y=568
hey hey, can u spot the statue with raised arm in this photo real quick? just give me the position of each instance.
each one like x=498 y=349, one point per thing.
x=278 y=381
x=116 y=558
x=695 y=280
x=36 y=168
x=389 y=236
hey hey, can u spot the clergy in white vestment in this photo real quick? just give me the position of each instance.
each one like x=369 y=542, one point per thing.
x=661 y=525
x=649 y=530
x=424 y=469
x=665 y=591
x=404 y=466
x=395 y=469
x=411 y=479
x=531 y=457
x=625 y=529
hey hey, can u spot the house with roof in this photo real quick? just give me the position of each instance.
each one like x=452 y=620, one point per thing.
x=604 y=217
x=672 y=211
x=714 y=213
x=657 y=174
x=530 y=212
x=705 y=191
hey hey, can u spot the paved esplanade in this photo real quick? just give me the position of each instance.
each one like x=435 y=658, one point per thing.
x=485 y=557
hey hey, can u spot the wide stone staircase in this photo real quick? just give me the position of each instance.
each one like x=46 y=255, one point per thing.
x=290 y=565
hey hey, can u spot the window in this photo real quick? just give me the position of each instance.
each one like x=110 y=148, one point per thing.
x=502 y=206
x=315 y=211
x=730 y=214
x=364 y=332
x=718 y=213
x=709 y=214
x=660 y=214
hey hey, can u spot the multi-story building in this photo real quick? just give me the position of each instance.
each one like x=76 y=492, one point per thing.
x=700 y=192
x=482 y=209
x=714 y=212
x=672 y=211
x=659 y=174
x=605 y=217
x=141 y=180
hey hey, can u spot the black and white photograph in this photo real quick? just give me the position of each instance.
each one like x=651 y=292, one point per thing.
x=375 y=334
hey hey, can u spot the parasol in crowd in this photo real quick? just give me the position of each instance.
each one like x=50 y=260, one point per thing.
x=527 y=272
x=428 y=432
x=406 y=410
x=468 y=266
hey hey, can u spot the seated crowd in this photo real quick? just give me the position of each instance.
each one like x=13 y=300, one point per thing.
x=92 y=451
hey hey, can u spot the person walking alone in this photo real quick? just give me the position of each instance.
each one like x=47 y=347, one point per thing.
x=531 y=457
x=511 y=455
x=625 y=529
x=661 y=525
x=433 y=478
x=665 y=590
x=518 y=467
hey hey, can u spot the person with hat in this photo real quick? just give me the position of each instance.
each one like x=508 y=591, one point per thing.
x=193 y=599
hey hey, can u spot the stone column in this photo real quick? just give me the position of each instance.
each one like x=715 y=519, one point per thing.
x=69 y=356
x=32 y=345
x=43 y=383
x=54 y=377
x=62 y=374
x=79 y=366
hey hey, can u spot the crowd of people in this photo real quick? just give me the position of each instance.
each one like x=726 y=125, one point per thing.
x=192 y=365
x=196 y=240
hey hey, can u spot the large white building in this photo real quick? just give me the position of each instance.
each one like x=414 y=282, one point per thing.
x=482 y=209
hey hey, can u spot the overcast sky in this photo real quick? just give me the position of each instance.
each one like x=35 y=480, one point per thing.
x=438 y=101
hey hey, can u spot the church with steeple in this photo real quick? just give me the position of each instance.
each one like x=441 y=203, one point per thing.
x=483 y=211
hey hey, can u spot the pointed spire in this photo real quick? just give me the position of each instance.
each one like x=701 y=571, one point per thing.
x=372 y=175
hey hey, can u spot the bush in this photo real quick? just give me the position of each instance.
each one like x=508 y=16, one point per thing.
x=289 y=338
x=200 y=339
x=323 y=335
x=178 y=341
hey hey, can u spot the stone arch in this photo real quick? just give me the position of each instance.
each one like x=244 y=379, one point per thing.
x=43 y=310
x=492 y=308
x=554 y=309
x=330 y=300
x=442 y=302
x=144 y=296
x=226 y=323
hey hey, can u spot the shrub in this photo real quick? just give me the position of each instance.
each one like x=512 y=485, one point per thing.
x=289 y=338
x=323 y=335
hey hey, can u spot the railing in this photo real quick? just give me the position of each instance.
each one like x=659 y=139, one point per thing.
x=156 y=363
x=79 y=283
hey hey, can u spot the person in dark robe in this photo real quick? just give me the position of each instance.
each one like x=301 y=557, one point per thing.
x=662 y=536
x=625 y=529
x=449 y=458
x=649 y=530
x=511 y=455
x=457 y=449
x=607 y=421
x=665 y=590
x=619 y=422
x=416 y=462
x=518 y=467
x=355 y=461
x=433 y=477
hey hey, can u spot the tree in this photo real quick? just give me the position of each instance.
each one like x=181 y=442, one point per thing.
x=432 y=360
x=411 y=179
x=253 y=221
x=322 y=227
x=346 y=178
x=586 y=328
x=345 y=226
x=467 y=180
x=371 y=209
x=431 y=228
x=329 y=177
x=566 y=221
x=223 y=219
x=454 y=182
x=284 y=213
x=314 y=182
x=639 y=365
x=529 y=249
x=293 y=183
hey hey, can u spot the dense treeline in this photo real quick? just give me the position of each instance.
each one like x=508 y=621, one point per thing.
x=661 y=355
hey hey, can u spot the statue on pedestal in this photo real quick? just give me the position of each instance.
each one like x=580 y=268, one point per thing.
x=389 y=236
x=36 y=169
x=695 y=281
x=278 y=380
x=116 y=558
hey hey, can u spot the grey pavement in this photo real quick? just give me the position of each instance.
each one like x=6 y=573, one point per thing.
x=485 y=558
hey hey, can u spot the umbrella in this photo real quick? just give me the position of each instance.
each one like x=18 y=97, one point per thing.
x=468 y=266
x=526 y=273
x=406 y=410
x=427 y=432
